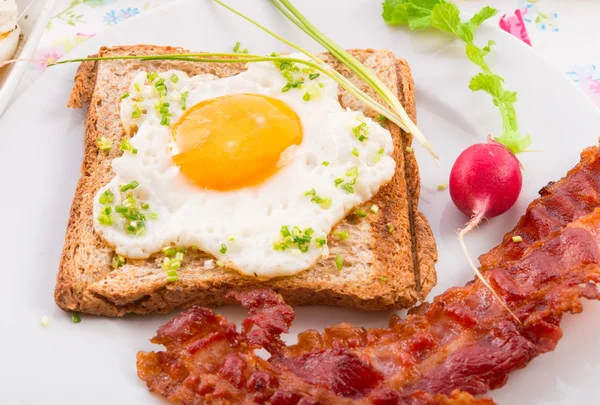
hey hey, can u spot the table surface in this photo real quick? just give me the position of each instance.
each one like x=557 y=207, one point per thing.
x=565 y=33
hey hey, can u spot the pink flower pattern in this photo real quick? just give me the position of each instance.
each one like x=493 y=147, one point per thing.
x=587 y=78
x=515 y=26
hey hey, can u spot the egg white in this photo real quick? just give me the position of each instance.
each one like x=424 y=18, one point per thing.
x=247 y=221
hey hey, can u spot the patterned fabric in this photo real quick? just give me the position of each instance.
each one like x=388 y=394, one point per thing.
x=567 y=43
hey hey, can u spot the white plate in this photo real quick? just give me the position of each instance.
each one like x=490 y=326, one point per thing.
x=41 y=145
x=36 y=14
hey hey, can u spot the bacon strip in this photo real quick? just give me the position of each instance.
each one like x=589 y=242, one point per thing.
x=463 y=344
x=560 y=203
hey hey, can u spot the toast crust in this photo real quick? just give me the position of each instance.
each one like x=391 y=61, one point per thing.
x=405 y=259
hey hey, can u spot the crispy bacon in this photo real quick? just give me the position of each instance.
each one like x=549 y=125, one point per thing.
x=559 y=204
x=463 y=344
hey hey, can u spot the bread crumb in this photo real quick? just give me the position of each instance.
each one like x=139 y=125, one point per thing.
x=209 y=264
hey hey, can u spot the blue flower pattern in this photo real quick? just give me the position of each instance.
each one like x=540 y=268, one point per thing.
x=114 y=17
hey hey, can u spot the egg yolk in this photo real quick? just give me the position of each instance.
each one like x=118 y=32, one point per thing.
x=234 y=141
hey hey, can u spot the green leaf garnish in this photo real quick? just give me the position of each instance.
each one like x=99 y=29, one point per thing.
x=445 y=16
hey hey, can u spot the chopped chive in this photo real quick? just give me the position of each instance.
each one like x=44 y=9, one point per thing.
x=381 y=151
x=352 y=172
x=137 y=87
x=127 y=146
x=136 y=113
x=355 y=152
x=517 y=239
x=306 y=97
x=321 y=242
x=409 y=149
x=390 y=228
x=313 y=76
x=166 y=120
x=118 y=261
x=312 y=192
x=342 y=235
x=338 y=181
x=220 y=263
x=75 y=318
x=223 y=249
x=124 y=96
x=360 y=212
x=361 y=131
x=339 y=262
x=383 y=279
x=107 y=197
x=442 y=186
x=237 y=46
x=129 y=186
x=169 y=251
x=325 y=163
x=184 y=96
x=105 y=217
x=153 y=215
x=374 y=209
x=104 y=143
x=145 y=206
x=172 y=279
x=348 y=188
x=231 y=238
x=174 y=78
x=45 y=321
x=326 y=203
x=151 y=76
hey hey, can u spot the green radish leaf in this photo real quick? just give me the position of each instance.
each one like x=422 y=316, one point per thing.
x=490 y=83
x=419 y=13
x=482 y=15
x=475 y=54
x=514 y=141
x=486 y=49
x=395 y=12
x=445 y=16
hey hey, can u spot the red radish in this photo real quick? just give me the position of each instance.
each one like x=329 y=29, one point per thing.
x=485 y=182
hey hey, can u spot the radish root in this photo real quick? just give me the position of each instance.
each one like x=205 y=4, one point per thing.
x=472 y=224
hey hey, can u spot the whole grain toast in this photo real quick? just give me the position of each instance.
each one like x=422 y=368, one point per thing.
x=382 y=269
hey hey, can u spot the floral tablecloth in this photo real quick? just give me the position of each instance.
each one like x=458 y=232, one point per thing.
x=565 y=32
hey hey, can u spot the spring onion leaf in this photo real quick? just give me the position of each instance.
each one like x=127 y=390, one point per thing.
x=339 y=262
x=342 y=235
x=75 y=318
x=294 y=15
x=445 y=16
x=129 y=186
x=104 y=143
x=223 y=249
x=118 y=261
x=127 y=146
x=321 y=242
x=361 y=213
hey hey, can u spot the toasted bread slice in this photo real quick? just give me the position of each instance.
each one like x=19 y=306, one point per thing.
x=383 y=269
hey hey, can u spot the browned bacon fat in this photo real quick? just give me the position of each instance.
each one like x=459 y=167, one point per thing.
x=461 y=345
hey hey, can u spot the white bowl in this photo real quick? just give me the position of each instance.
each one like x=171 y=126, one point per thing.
x=37 y=14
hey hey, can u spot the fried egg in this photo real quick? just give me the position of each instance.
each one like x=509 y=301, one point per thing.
x=247 y=168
